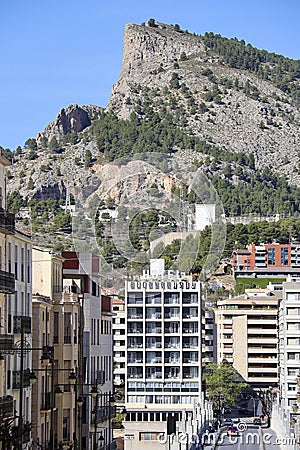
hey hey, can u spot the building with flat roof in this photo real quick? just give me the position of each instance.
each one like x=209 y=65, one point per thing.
x=267 y=260
x=119 y=341
x=165 y=326
x=247 y=335
x=289 y=353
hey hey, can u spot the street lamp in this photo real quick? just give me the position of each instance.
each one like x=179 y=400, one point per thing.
x=56 y=391
x=104 y=407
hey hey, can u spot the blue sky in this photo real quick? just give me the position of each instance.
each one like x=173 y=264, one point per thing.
x=57 y=52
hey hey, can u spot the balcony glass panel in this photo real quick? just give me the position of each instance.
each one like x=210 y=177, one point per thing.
x=135 y=328
x=172 y=342
x=135 y=313
x=172 y=357
x=188 y=313
x=172 y=328
x=135 y=372
x=135 y=357
x=190 y=357
x=152 y=328
x=153 y=357
x=171 y=299
x=192 y=328
x=153 y=299
x=153 y=313
x=153 y=372
x=171 y=313
x=153 y=342
x=135 y=298
x=190 y=342
x=135 y=342
x=189 y=298
x=172 y=372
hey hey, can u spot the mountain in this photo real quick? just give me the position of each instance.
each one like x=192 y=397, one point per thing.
x=218 y=103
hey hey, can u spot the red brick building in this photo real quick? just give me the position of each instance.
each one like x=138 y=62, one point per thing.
x=271 y=259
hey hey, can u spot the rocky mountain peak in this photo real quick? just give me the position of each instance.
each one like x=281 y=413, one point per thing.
x=73 y=118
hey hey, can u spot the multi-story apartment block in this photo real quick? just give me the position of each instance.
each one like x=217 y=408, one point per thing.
x=164 y=318
x=289 y=352
x=210 y=337
x=7 y=288
x=247 y=335
x=272 y=259
x=82 y=271
x=119 y=341
x=15 y=316
x=56 y=313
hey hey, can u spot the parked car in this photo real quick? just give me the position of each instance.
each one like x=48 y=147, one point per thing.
x=228 y=422
x=233 y=431
x=257 y=421
x=245 y=412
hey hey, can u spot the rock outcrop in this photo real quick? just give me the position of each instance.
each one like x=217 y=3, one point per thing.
x=74 y=118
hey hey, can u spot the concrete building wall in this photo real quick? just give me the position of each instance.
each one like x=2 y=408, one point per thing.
x=240 y=345
x=255 y=332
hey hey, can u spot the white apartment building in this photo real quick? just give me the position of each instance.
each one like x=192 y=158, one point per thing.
x=247 y=335
x=119 y=341
x=210 y=336
x=164 y=323
x=16 y=318
x=289 y=352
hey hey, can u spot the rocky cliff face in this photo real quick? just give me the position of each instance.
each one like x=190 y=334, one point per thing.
x=266 y=123
x=74 y=118
x=174 y=73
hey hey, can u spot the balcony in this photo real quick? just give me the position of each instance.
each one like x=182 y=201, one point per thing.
x=22 y=324
x=7 y=282
x=6 y=407
x=135 y=330
x=7 y=222
x=153 y=330
x=154 y=360
x=6 y=343
x=193 y=330
x=17 y=379
x=102 y=414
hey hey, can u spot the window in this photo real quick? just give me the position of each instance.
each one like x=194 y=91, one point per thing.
x=152 y=436
x=66 y=425
x=56 y=328
x=67 y=328
x=271 y=256
x=293 y=311
x=293 y=341
x=284 y=256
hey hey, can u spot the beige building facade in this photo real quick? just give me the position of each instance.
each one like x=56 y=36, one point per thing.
x=247 y=335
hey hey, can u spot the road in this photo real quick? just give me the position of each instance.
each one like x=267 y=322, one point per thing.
x=253 y=438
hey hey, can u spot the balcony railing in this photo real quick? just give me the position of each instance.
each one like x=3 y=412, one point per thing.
x=103 y=413
x=7 y=282
x=6 y=406
x=7 y=221
x=6 y=343
x=22 y=323
x=16 y=384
